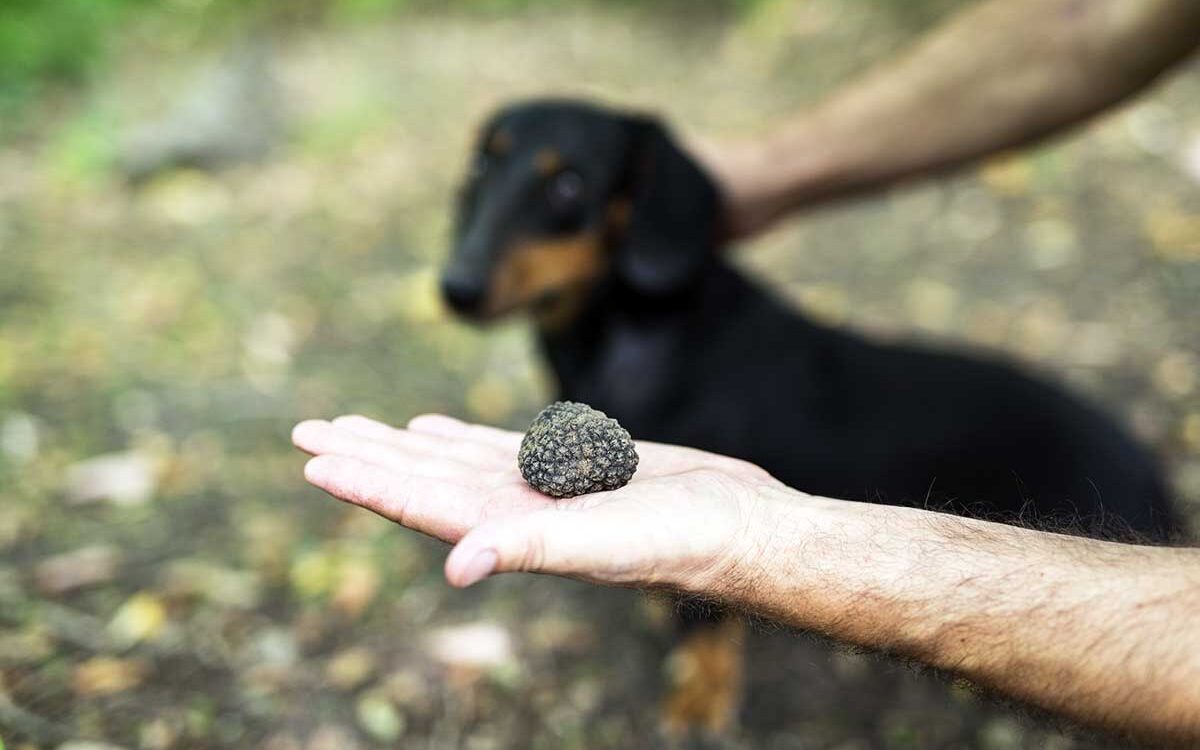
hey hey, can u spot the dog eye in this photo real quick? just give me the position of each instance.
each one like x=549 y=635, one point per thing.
x=565 y=190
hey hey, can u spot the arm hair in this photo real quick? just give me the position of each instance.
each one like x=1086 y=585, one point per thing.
x=1103 y=634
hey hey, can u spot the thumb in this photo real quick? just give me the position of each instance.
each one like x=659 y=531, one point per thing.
x=554 y=540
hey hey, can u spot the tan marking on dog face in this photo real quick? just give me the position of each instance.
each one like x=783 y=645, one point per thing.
x=619 y=213
x=533 y=271
x=500 y=143
x=706 y=680
x=547 y=161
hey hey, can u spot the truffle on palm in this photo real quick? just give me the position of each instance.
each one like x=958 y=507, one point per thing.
x=572 y=449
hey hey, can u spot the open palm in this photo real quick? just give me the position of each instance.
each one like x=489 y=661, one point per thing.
x=678 y=521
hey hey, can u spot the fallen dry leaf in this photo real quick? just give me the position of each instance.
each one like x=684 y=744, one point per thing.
x=478 y=645
x=490 y=399
x=332 y=737
x=1007 y=175
x=350 y=668
x=379 y=718
x=1174 y=236
x=313 y=573
x=1176 y=374
x=122 y=478
x=142 y=617
x=86 y=566
x=931 y=304
x=104 y=675
x=356 y=586
x=1190 y=431
x=226 y=587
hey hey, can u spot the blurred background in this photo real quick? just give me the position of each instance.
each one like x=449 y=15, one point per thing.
x=220 y=217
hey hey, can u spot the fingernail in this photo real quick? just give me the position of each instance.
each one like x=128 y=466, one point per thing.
x=482 y=565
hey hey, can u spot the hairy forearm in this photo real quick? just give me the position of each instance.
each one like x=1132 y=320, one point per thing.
x=999 y=75
x=1101 y=633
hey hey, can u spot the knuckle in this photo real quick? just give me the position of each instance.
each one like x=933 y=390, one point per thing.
x=535 y=553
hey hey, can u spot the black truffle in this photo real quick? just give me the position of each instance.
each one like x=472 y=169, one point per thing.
x=572 y=449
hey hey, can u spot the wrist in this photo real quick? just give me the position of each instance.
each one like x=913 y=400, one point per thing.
x=856 y=572
x=765 y=178
x=776 y=553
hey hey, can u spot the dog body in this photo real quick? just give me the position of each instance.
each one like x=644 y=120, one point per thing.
x=597 y=221
x=604 y=229
x=727 y=368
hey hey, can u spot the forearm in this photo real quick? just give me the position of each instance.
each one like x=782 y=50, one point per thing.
x=1101 y=633
x=999 y=75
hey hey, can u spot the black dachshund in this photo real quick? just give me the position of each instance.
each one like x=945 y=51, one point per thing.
x=606 y=230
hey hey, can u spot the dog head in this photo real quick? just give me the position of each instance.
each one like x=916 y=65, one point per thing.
x=563 y=196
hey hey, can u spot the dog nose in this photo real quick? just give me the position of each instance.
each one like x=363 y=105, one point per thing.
x=462 y=294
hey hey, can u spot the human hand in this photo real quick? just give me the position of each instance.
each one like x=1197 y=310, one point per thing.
x=743 y=174
x=680 y=523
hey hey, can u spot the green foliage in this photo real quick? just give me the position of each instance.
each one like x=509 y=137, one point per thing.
x=46 y=41
x=81 y=148
x=49 y=42
x=55 y=39
x=366 y=9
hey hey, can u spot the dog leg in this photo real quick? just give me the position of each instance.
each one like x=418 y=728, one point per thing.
x=705 y=673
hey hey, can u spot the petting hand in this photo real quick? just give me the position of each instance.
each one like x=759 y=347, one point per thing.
x=763 y=180
x=743 y=175
x=679 y=523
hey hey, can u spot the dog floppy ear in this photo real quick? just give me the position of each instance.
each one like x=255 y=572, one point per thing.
x=673 y=213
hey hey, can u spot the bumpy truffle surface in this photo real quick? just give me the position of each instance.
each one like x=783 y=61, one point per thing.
x=572 y=449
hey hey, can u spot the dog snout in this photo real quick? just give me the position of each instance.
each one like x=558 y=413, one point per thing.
x=463 y=293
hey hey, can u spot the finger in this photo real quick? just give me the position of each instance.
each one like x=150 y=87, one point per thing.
x=303 y=432
x=437 y=507
x=438 y=424
x=466 y=451
x=572 y=543
x=429 y=446
x=655 y=458
x=319 y=438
